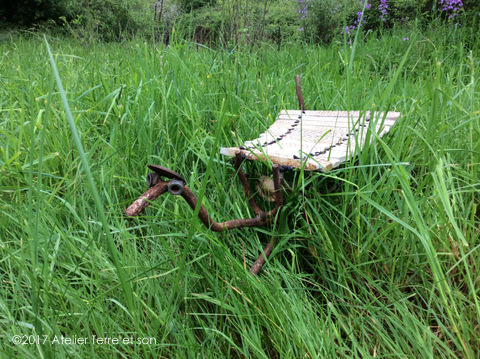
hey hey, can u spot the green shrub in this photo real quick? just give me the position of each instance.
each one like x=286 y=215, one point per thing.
x=323 y=18
x=116 y=19
x=30 y=12
x=192 y=5
x=104 y=19
x=282 y=21
x=227 y=23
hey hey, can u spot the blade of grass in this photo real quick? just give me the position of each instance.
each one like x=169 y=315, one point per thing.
x=91 y=183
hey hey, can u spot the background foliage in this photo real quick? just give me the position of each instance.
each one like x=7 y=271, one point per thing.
x=223 y=22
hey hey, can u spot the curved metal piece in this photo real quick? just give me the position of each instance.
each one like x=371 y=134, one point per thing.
x=144 y=200
x=165 y=172
x=238 y=160
x=175 y=187
x=257 y=266
x=259 y=220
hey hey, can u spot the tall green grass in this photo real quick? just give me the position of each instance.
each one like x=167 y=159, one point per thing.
x=378 y=259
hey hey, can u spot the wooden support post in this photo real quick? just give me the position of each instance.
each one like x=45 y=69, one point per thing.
x=301 y=103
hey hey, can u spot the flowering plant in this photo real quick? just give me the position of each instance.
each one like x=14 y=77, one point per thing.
x=451 y=7
x=302 y=11
x=383 y=9
x=370 y=15
x=302 y=8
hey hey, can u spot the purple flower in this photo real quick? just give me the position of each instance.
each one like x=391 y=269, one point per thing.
x=347 y=30
x=383 y=9
x=451 y=7
x=367 y=5
x=302 y=10
x=405 y=39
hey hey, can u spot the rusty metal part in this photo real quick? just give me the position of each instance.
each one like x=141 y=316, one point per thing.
x=175 y=187
x=244 y=181
x=277 y=183
x=259 y=220
x=257 y=266
x=301 y=103
x=152 y=179
x=165 y=172
x=144 y=200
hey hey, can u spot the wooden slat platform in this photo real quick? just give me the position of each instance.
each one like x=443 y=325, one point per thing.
x=318 y=140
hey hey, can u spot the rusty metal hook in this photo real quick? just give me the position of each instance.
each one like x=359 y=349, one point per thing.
x=176 y=186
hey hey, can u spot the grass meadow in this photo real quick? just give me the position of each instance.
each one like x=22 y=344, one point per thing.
x=379 y=258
